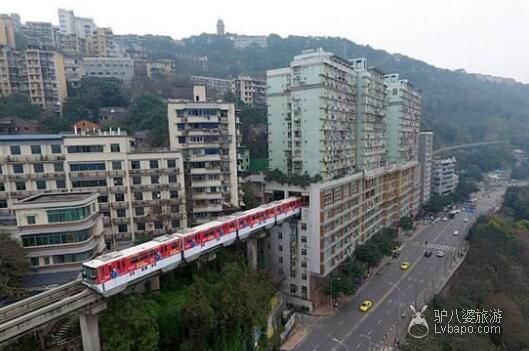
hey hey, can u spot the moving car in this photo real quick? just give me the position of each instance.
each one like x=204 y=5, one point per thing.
x=466 y=220
x=427 y=253
x=404 y=265
x=456 y=233
x=440 y=253
x=366 y=305
x=445 y=219
x=396 y=254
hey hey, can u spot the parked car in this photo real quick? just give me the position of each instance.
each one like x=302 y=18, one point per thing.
x=440 y=253
x=427 y=253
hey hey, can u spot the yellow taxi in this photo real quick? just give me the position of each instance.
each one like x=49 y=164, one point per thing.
x=404 y=265
x=366 y=305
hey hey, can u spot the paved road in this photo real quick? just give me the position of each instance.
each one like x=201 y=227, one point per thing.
x=354 y=329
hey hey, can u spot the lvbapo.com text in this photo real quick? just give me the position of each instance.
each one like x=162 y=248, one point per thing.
x=467 y=329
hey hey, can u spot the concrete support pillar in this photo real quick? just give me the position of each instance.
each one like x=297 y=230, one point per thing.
x=90 y=328
x=251 y=252
x=154 y=284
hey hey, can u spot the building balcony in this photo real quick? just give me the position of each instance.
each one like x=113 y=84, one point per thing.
x=118 y=189
x=206 y=196
x=78 y=175
x=215 y=170
x=119 y=204
x=116 y=173
x=120 y=220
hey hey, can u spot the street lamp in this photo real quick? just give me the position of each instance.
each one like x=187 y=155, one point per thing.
x=336 y=340
x=368 y=338
x=333 y=279
x=400 y=302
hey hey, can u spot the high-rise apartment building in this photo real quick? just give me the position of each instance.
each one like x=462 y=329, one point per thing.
x=328 y=116
x=370 y=116
x=71 y=24
x=121 y=68
x=101 y=43
x=206 y=133
x=141 y=191
x=216 y=88
x=425 y=162
x=403 y=119
x=444 y=177
x=39 y=35
x=249 y=90
x=59 y=231
x=312 y=116
x=7 y=30
x=39 y=74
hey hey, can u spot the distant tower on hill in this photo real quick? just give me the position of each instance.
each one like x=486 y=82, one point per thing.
x=220 y=27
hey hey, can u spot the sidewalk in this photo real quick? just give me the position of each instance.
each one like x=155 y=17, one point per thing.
x=297 y=335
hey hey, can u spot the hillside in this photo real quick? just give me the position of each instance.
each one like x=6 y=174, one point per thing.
x=459 y=107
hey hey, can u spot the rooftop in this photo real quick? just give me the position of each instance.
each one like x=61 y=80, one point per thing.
x=56 y=197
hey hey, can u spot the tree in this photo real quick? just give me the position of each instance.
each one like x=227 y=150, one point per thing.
x=249 y=198
x=130 y=324
x=13 y=268
x=19 y=106
x=406 y=223
x=149 y=112
x=55 y=124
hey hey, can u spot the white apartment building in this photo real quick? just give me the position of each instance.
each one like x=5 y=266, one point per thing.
x=327 y=116
x=39 y=35
x=71 y=24
x=425 y=161
x=121 y=68
x=403 y=119
x=141 y=192
x=249 y=90
x=206 y=133
x=216 y=88
x=312 y=116
x=59 y=231
x=444 y=177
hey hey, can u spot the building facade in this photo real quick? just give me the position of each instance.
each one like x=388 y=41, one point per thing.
x=444 y=177
x=425 y=161
x=327 y=116
x=39 y=74
x=59 y=231
x=249 y=90
x=403 y=119
x=121 y=68
x=206 y=133
x=71 y=24
x=101 y=43
x=312 y=116
x=216 y=88
x=141 y=191
x=39 y=35
x=7 y=30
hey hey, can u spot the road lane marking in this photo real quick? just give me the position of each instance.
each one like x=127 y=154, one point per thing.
x=359 y=345
x=340 y=323
x=369 y=333
x=380 y=320
x=329 y=334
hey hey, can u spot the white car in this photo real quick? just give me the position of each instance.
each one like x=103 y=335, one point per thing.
x=440 y=253
x=445 y=219
x=466 y=220
x=456 y=233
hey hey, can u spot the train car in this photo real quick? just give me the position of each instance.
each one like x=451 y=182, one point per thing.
x=113 y=272
x=204 y=237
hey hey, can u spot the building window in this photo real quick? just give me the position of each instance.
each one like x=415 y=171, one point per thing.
x=56 y=148
x=38 y=168
x=303 y=264
x=116 y=165
x=153 y=164
x=119 y=197
x=36 y=149
x=114 y=147
x=280 y=248
x=18 y=168
x=293 y=288
x=58 y=167
x=121 y=212
x=122 y=228
x=303 y=276
x=136 y=180
x=280 y=235
x=80 y=167
x=158 y=225
x=156 y=195
x=41 y=184
x=2 y=187
x=140 y=226
x=303 y=252
x=280 y=259
x=155 y=179
x=34 y=261
x=68 y=214
x=303 y=239
x=140 y=211
x=20 y=185
x=171 y=163
x=303 y=226
x=173 y=194
x=135 y=165
x=118 y=181
x=175 y=224
x=3 y=203
x=60 y=184
x=102 y=199
x=31 y=219
x=172 y=178
x=15 y=149
x=138 y=196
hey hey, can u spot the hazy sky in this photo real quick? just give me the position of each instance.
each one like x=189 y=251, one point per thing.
x=485 y=36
